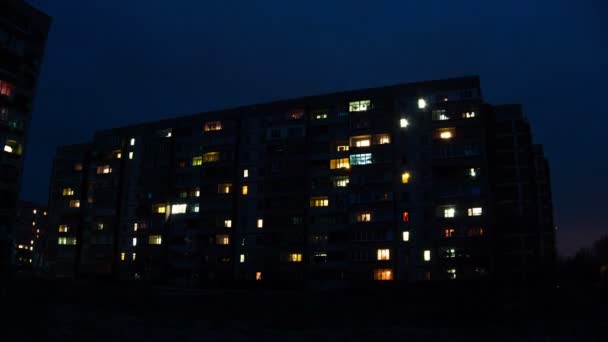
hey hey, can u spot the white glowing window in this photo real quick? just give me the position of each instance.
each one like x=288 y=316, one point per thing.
x=132 y=142
x=227 y=223
x=242 y=258
x=359 y=106
x=403 y=123
x=321 y=116
x=134 y=241
x=427 y=255
x=472 y=172
x=452 y=273
x=341 y=181
x=130 y=155
x=260 y=223
x=477 y=211
x=449 y=212
x=468 y=115
x=406 y=236
x=133 y=256
x=384 y=254
x=450 y=253
x=8 y=149
x=196 y=208
x=135 y=225
x=440 y=115
x=178 y=208
x=421 y=103
x=245 y=173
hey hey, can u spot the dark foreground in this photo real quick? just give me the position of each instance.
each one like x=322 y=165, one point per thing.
x=51 y=310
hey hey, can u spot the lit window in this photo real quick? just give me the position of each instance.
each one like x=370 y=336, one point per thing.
x=245 y=190
x=364 y=217
x=341 y=163
x=406 y=216
x=196 y=208
x=383 y=274
x=449 y=212
x=296 y=114
x=421 y=103
x=361 y=159
x=210 y=157
x=342 y=148
x=445 y=133
x=67 y=192
x=450 y=253
x=222 y=239
x=242 y=258
x=440 y=115
x=197 y=161
x=403 y=123
x=427 y=255
x=452 y=273
x=382 y=139
x=100 y=226
x=468 y=115
x=132 y=143
x=134 y=241
x=135 y=227
x=75 y=204
x=155 y=240
x=133 y=256
x=449 y=232
x=406 y=236
x=320 y=116
x=359 y=106
x=64 y=228
x=66 y=240
x=197 y=192
x=178 y=209
x=224 y=188
x=341 y=181
x=34 y=211
x=122 y=256
x=384 y=254
x=260 y=223
x=13 y=147
x=245 y=173
x=130 y=155
x=472 y=172
x=6 y=88
x=319 y=201
x=213 y=126
x=362 y=143
x=104 y=169
x=227 y=223
x=405 y=177
x=258 y=276
x=295 y=257
x=78 y=167
x=160 y=208
x=477 y=211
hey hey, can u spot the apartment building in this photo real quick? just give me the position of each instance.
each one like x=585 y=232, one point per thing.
x=398 y=183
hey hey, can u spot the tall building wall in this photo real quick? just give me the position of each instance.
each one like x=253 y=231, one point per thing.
x=392 y=183
x=23 y=32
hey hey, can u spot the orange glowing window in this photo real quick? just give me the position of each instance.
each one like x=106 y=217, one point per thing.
x=406 y=216
x=449 y=232
x=213 y=126
x=6 y=88
x=383 y=274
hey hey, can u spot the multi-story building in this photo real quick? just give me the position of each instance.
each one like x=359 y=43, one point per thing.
x=393 y=183
x=23 y=32
x=32 y=225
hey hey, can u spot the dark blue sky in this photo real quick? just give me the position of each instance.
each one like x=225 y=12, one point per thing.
x=114 y=62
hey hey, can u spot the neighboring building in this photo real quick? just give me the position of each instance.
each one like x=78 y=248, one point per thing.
x=32 y=225
x=23 y=32
x=393 y=183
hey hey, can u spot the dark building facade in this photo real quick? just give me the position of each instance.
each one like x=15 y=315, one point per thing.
x=397 y=183
x=23 y=33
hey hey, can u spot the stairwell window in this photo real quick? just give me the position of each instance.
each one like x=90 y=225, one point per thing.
x=360 y=106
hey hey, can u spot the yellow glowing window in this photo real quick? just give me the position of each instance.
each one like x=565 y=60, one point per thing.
x=66 y=240
x=342 y=163
x=75 y=204
x=427 y=255
x=67 y=192
x=222 y=239
x=341 y=181
x=224 y=188
x=406 y=236
x=405 y=177
x=210 y=157
x=449 y=232
x=122 y=256
x=227 y=223
x=118 y=154
x=213 y=126
x=319 y=201
x=197 y=161
x=242 y=258
x=364 y=217
x=382 y=139
x=64 y=228
x=295 y=257
x=260 y=223
x=135 y=227
x=359 y=106
x=445 y=133
x=342 y=148
x=104 y=169
x=383 y=274
x=160 y=208
x=245 y=189
x=384 y=254
x=258 y=276
x=361 y=141
x=477 y=211
x=320 y=116
x=155 y=240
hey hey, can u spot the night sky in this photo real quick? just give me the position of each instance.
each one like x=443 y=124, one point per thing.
x=115 y=62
